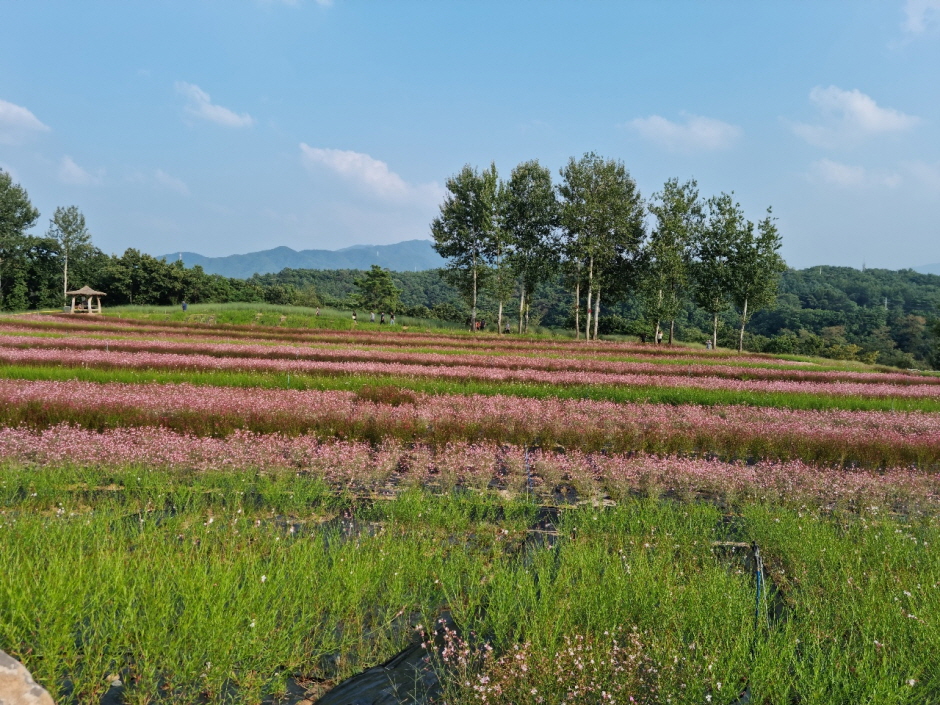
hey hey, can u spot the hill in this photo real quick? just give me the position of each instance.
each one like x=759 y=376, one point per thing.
x=408 y=256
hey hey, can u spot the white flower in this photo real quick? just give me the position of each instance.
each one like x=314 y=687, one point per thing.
x=264 y=578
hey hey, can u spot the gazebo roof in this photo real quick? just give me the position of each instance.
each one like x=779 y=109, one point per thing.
x=85 y=291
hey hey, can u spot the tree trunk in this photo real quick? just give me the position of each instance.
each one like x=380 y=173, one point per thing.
x=526 y=316
x=65 y=279
x=597 y=311
x=587 y=326
x=672 y=328
x=473 y=311
x=743 y=322
x=715 y=332
x=499 y=319
x=521 y=307
x=577 y=311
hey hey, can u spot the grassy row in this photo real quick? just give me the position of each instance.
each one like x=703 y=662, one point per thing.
x=639 y=394
x=222 y=587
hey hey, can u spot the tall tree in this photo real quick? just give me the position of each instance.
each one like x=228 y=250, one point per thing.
x=17 y=215
x=377 y=291
x=67 y=228
x=530 y=216
x=463 y=231
x=715 y=249
x=602 y=214
x=498 y=255
x=679 y=215
x=756 y=266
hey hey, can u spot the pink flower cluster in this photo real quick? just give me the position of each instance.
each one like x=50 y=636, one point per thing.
x=543 y=472
x=175 y=361
x=484 y=342
x=832 y=436
x=258 y=352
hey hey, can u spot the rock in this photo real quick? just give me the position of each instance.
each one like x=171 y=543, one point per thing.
x=17 y=686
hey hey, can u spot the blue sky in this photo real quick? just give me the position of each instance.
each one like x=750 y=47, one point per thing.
x=227 y=127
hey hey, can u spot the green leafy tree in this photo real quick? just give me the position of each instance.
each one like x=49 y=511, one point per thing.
x=17 y=215
x=602 y=216
x=67 y=228
x=530 y=215
x=715 y=249
x=377 y=291
x=464 y=230
x=679 y=216
x=755 y=269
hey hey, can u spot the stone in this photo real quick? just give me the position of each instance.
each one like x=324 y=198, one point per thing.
x=17 y=686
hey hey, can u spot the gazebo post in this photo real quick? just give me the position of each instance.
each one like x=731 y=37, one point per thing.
x=73 y=305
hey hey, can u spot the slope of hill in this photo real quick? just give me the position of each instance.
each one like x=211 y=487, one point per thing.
x=928 y=268
x=408 y=256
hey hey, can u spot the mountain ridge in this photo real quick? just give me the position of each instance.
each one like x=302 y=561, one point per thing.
x=409 y=255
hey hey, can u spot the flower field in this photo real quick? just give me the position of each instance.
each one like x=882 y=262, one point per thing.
x=241 y=513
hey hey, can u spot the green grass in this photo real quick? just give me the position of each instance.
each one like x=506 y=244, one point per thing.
x=153 y=576
x=639 y=394
x=274 y=315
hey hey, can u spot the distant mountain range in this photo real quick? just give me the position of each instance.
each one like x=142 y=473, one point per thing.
x=408 y=256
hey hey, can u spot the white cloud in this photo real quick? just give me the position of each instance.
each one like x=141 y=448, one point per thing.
x=926 y=174
x=72 y=173
x=201 y=106
x=848 y=176
x=848 y=116
x=171 y=182
x=696 y=134
x=16 y=122
x=921 y=16
x=370 y=175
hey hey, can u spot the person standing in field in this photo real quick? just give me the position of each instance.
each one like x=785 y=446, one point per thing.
x=391 y=321
x=659 y=337
x=382 y=319
x=372 y=317
x=354 y=316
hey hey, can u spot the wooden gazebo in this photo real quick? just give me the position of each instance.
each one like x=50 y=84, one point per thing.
x=87 y=304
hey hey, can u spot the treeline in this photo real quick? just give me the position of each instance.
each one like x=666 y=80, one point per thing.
x=873 y=315
x=36 y=270
x=835 y=312
x=590 y=232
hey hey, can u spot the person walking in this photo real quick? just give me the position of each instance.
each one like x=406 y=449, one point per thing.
x=391 y=321
x=382 y=319
x=354 y=316
x=659 y=337
x=318 y=311
x=372 y=317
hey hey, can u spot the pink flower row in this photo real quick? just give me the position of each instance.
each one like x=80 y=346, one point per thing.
x=502 y=362
x=172 y=361
x=875 y=437
x=483 y=342
x=361 y=465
